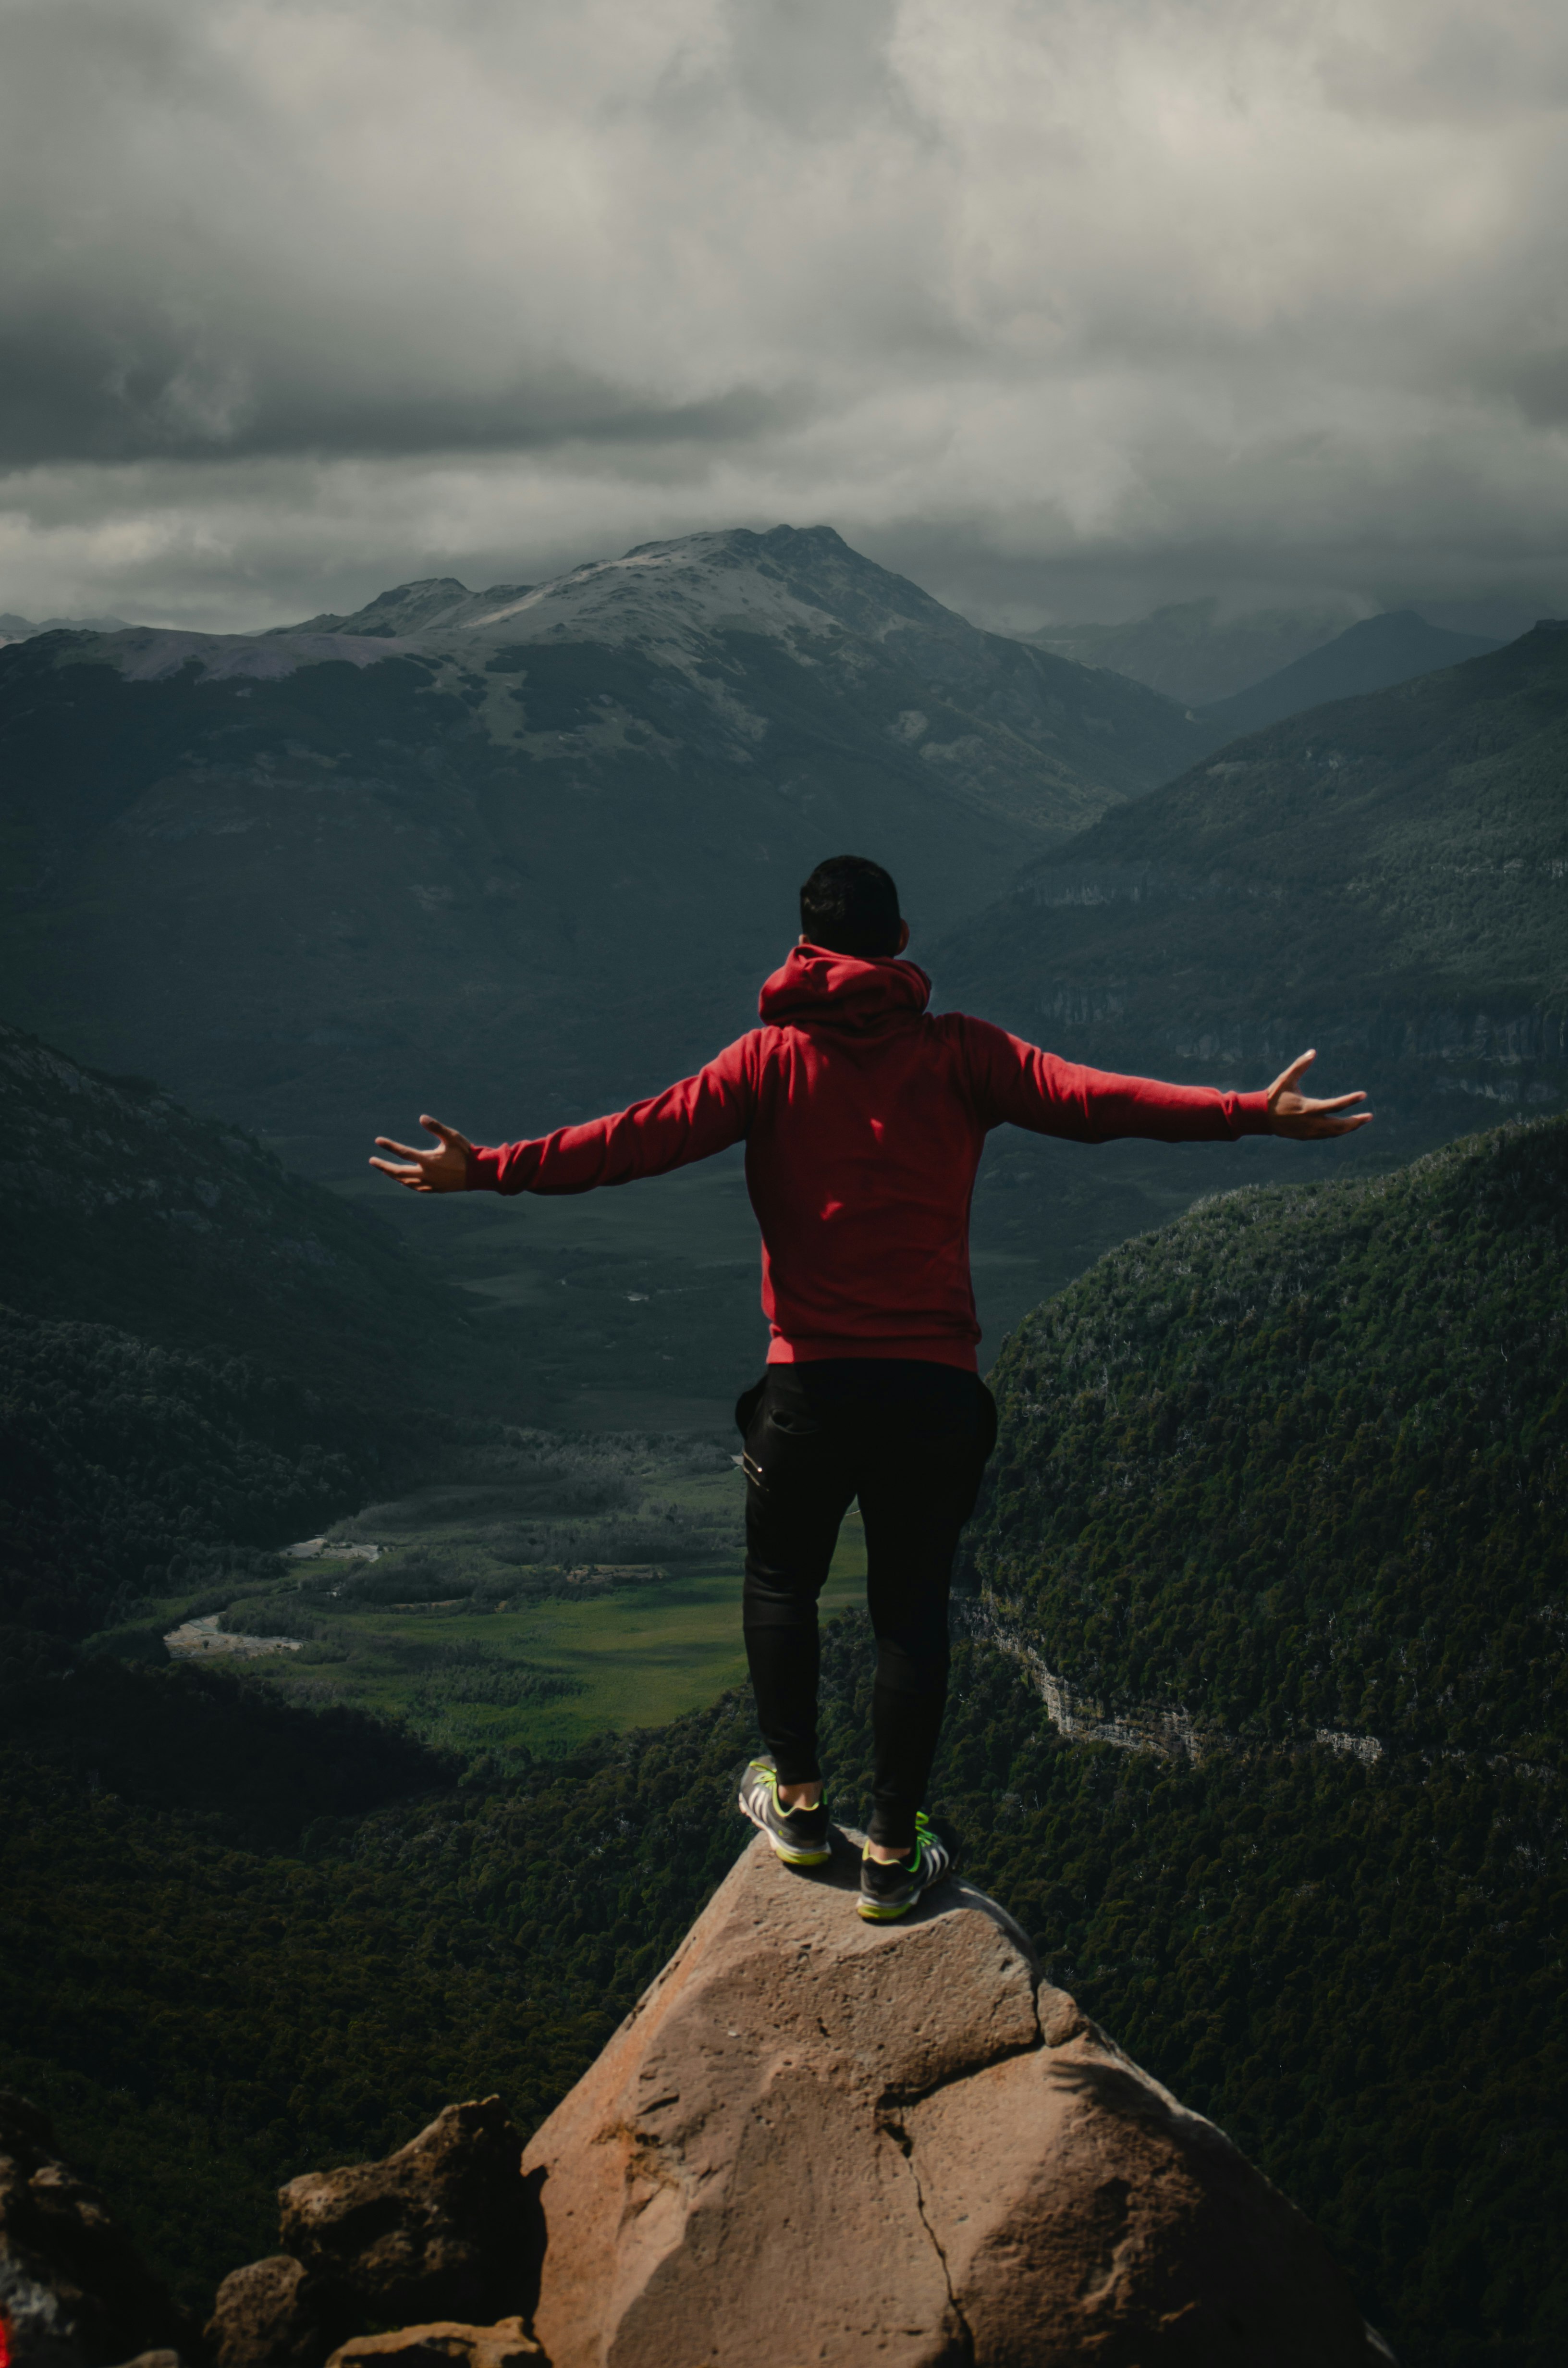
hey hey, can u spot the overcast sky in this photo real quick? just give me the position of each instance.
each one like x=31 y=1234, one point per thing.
x=1061 y=306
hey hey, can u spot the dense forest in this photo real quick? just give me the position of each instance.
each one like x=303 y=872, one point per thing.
x=1292 y=1465
x=1300 y=1459
x=225 y=1964
x=131 y=1470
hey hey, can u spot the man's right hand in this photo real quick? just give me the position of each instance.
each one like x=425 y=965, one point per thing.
x=445 y=1169
x=1290 y=1112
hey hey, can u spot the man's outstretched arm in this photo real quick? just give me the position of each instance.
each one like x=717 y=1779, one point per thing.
x=689 y=1120
x=1025 y=1087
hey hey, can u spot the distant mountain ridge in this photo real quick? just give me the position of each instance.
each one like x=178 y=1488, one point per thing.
x=527 y=851
x=1197 y=651
x=24 y=629
x=1371 y=656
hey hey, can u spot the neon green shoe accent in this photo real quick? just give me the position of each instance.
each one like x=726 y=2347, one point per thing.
x=792 y=1856
x=759 y=1801
x=919 y=1874
x=875 y=1913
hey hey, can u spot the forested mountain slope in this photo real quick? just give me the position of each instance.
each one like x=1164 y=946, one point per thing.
x=200 y=1356
x=1300 y=1461
x=123 y=1208
x=533 y=847
x=1386 y=880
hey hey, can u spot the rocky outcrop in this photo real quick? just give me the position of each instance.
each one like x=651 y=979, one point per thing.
x=819 y=2139
x=813 y=2139
x=445 y=2344
x=73 y=2290
x=272 y=2314
x=439 y=2227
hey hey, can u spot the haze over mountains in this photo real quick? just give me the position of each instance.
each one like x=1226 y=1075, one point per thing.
x=1193 y=651
x=528 y=851
x=1201 y=651
x=23 y=629
x=1371 y=656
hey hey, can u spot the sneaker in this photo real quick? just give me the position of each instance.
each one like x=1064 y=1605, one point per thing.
x=889 y=1888
x=798 y=1836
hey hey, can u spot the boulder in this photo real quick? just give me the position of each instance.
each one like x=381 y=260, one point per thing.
x=437 y=2229
x=819 y=2139
x=73 y=2290
x=445 y=2344
x=272 y=2314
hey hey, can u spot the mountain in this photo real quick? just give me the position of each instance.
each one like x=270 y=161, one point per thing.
x=22 y=629
x=1382 y=878
x=1274 y=1538
x=196 y=1348
x=1197 y=651
x=526 y=852
x=1371 y=656
x=1296 y=1465
x=124 y=1209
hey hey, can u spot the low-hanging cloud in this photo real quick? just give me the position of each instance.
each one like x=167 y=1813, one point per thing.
x=1056 y=304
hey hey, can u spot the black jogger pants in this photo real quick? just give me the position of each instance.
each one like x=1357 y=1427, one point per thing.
x=910 y=1438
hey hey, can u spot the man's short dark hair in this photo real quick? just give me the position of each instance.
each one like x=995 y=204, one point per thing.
x=850 y=906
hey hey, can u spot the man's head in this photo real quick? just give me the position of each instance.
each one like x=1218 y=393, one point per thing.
x=850 y=906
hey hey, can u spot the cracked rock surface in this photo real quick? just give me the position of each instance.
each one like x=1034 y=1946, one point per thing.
x=819 y=2140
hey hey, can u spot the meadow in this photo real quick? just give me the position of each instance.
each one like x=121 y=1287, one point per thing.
x=498 y=1659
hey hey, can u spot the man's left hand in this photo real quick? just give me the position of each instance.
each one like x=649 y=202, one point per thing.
x=1290 y=1112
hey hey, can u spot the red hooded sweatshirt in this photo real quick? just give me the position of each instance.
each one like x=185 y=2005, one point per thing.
x=864 y=1118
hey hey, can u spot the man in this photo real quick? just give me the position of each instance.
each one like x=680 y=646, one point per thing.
x=864 y=1118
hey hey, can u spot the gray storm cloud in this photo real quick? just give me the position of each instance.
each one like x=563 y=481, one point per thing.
x=1057 y=306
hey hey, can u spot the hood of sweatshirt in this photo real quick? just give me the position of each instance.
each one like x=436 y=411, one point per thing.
x=820 y=988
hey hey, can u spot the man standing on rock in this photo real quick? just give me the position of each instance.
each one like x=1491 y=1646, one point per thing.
x=864 y=1116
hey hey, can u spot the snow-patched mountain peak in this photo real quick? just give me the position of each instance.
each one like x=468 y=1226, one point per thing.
x=791 y=581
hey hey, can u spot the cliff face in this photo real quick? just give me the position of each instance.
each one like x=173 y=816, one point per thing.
x=818 y=2139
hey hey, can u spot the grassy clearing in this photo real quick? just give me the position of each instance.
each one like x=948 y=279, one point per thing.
x=548 y=1589
x=642 y=1655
